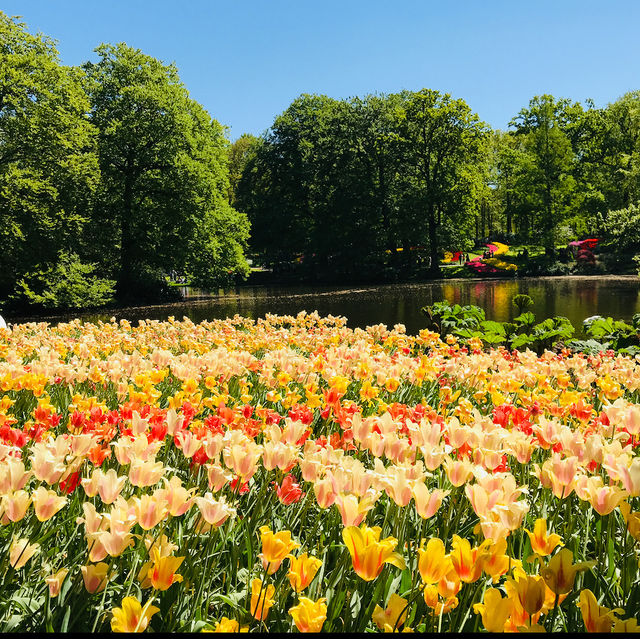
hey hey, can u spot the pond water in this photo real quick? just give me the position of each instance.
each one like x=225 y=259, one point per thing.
x=574 y=297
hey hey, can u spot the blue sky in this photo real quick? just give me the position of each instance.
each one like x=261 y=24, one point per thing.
x=245 y=61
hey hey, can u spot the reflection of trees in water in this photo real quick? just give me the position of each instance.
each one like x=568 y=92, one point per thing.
x=400 y=304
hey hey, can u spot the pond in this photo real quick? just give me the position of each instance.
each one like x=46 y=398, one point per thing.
x=574 y=297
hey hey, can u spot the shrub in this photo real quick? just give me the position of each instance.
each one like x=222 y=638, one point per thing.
x=70 y=283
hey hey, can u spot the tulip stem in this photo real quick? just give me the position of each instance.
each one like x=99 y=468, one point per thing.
x=553 y=613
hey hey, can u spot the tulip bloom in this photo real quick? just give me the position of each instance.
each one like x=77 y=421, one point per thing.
x=15 y=505
x=531 y=592
x=427 y=503
x=95 y=577
x=261 y=599
x=309 y=615
x=542 y=543
x=493 y=558
x=393 y=617
x=275 y=548
x=21 y=551
x=177 y=498
x=352 y=510
x=465 y=560
x=433 y=562
x=47 y=503
x=214 y=512
x=55 y=582
x=162 y=574
x=368 y=553
x=289 y=492
x=494 y=610
x=302 y=570
x=149 y=510
x=596 y=618
x=109 y=485
x=560 y=572
x=229 y=625
x=132 y=617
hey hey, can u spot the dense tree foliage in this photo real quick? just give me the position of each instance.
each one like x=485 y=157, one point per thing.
x=364 y=184
x=109 y=174
x=48 y=166
x=383 y=185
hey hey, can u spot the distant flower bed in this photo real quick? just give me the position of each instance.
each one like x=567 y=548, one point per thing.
x=292 y=473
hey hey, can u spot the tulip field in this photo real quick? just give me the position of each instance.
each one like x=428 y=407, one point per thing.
x=292 y=474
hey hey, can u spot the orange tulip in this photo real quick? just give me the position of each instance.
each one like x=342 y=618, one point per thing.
x=368 y=553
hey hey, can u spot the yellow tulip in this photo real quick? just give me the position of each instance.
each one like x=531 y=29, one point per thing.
x=261 y=599
x=596 y=618
x=368 y=553
x=542 y=543
x=393 y=616
x=433 y=563
x=229 y=625
x=494 y=610
x=275 y=548
x=132 y=617
x=162 y=574
x=302 y=570
x=560 y=572
x=309 y=615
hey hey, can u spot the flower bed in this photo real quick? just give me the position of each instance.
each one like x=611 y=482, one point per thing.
x=294 y=473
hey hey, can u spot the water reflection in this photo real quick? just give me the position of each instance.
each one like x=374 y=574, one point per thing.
x=574 y=297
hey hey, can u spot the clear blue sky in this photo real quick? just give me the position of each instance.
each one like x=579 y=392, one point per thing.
x=246 y=60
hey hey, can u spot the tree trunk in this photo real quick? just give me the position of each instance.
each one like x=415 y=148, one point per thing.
x=126 y=241
x=434 y=269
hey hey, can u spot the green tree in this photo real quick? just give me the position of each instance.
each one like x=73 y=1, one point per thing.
x=443 y=143
x=551 y=162
x=163 y=196
x=48 y=166
x=239 y=153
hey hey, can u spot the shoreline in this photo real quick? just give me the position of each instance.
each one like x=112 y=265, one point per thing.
x=203 y=300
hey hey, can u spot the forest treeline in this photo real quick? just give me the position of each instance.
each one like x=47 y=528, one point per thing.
x=112 y=178
x=386 y=183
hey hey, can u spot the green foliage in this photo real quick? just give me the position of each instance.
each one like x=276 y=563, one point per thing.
x=48 y=166
x=523 y=333
x=615 y=334
x=522 y=301
x=68 y=284
x=446 y=319
x=164 y=175
x=339 y=185
x=110 y=165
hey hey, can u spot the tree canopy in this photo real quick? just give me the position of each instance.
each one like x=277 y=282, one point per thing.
x=109 y=173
